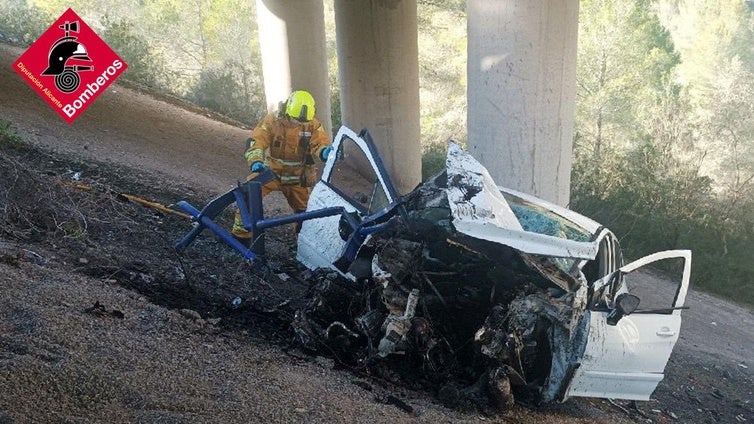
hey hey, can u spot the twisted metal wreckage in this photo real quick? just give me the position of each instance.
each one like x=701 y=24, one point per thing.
x=478 y=290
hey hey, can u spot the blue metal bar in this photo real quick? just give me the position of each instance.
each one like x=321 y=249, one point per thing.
x=365 y=231
x=228 y=238
x=364 y=135
x=243 y=209
x=206 y=222
x=188 y=238
x=186 y=206
x=248 y=197
x=254 y=197
x=301 y=217
x=218 y=204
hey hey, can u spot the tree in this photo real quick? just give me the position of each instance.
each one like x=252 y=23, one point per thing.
x=442 y=78
x=664 y=149
x=626 y=64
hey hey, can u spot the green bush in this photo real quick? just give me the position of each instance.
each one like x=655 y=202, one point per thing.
x=433 y=159
x=652 y=202
x=335 y=116
x=230 y=89
x=8 y=137
x=21 y=23
x=145 y=65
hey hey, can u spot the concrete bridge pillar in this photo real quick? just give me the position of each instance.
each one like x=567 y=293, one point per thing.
x=521 y=92
x=294 y=54
x=378 y=60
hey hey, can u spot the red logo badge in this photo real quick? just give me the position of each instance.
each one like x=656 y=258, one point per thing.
x=69 y=66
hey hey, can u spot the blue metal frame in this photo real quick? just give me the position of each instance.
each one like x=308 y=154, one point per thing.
x=364 y=135
x=248 y=198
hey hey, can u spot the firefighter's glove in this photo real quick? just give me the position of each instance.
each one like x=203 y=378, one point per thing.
x=258 y=166
x=327 y=151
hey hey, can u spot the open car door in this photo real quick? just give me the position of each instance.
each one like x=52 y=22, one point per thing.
x=627 y=360
x=354 y=178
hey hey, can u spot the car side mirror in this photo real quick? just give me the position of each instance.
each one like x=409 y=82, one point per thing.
x=625 y=304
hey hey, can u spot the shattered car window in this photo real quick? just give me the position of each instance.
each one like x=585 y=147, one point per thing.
x=564 y=264
x=537 y=219
x=356 y=181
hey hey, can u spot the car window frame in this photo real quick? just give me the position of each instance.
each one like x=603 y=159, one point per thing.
x=363 y=141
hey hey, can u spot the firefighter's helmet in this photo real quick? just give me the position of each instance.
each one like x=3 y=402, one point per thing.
x=64 y=49
x=300 y=106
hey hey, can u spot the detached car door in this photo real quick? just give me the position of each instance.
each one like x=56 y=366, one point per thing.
x=355 y=179
x=627 y=360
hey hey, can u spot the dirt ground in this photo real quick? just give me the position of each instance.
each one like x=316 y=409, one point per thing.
x=100 y=321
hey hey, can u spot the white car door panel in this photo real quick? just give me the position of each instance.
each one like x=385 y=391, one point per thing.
x=627 y=360
x=319 y=242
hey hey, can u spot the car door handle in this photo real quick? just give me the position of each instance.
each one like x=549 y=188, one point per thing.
x=665 y=332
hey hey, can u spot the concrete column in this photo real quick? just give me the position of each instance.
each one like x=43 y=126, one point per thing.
x=378 y=61
x=522 y=91
x=294 y=54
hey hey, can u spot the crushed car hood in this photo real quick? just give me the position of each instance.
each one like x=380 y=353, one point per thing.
x=480 y=210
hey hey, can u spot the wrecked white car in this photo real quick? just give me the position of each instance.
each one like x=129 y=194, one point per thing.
x=477 y=292
x=541 y=288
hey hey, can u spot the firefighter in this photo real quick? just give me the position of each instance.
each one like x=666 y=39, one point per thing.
x=287 y=143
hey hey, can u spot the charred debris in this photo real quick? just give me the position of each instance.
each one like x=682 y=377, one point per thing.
x=475 y=322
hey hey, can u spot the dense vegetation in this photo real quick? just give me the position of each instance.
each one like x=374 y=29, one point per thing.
x=664 y=141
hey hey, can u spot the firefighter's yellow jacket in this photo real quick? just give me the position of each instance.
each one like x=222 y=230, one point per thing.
x=279 y=143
